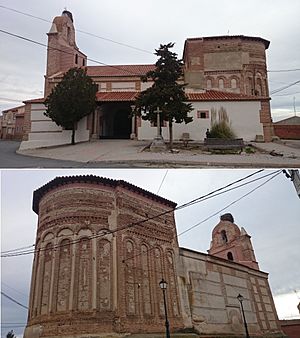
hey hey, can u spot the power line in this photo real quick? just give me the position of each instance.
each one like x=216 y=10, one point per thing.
x=214 y=214
x=13 y=300
x=137 y=223
x=284 y=87
x=284 y=70
x=63 y=51
x=80 y=31
x=125 y=227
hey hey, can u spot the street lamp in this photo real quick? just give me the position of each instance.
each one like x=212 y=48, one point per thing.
x=163 y=285
x=241 y=299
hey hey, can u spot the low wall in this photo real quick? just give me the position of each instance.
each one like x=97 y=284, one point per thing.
x=287 y=131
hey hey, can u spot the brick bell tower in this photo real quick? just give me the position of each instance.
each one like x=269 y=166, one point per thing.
x=232 y=243
x=62 y=52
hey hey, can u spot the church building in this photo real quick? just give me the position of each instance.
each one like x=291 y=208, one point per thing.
x=102 y=248
x=226 y=78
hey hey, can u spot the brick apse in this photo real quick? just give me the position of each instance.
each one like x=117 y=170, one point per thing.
x=96 y=272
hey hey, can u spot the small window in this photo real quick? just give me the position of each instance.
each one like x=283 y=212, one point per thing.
x=203 y=114
x=221 y=83
x=224 y=236
x=83 y=62
x=76 y=59
x=233 y=83
x=230 y=256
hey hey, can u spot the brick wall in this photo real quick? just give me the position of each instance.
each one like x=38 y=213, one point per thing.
x=287 y=131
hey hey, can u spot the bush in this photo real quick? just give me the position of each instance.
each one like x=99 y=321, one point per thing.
x=223 y=130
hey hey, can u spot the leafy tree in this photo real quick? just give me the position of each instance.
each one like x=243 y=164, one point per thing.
x=71 y=100
x=166 y=92
x=10 y=334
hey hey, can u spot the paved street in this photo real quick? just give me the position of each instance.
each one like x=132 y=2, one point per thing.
x=131 y=154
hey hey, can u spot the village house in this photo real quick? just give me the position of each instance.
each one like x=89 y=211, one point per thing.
x=226 y=78
x=11 y=123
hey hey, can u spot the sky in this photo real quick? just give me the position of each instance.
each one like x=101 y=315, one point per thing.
x=145 y=25
x=269 y=214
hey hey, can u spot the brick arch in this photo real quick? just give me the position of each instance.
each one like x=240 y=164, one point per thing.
x=237 y=83
x=63 y=275
x=146 y=280
x=47 y=236
x=171 y=279
x=212 y=81
x=66 y=231
x=130 y=277
x=84 y=232
x=260 y=85
x=46 y=278
x=104 y=275
x=84 y=274
x=222 y=79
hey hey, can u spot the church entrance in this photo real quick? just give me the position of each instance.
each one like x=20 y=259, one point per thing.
x=114 y=121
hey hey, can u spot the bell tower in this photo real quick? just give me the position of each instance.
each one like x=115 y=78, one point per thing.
x=232 y=243
x=62 y=52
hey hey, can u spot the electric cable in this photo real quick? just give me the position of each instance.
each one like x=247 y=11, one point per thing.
x=78 y=30
x=13 y=300
x=20 y=253
x=130 y=225
x=212 y=215
x=64 y=51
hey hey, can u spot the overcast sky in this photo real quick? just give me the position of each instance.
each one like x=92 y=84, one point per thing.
x=270 y=215
x=144 y=25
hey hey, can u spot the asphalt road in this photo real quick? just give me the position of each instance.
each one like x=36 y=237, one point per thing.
x=9 y=159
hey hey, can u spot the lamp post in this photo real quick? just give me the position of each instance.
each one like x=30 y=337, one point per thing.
x=163 y=286
x=241 y=299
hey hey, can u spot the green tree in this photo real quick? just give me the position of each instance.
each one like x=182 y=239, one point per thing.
x=166 y=92
x=10 y=334
x=71 y=100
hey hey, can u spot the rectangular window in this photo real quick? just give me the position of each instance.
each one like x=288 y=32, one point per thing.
x=202 y=114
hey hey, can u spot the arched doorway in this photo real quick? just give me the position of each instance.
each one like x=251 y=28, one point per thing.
x=115 y=121
x=122 y=124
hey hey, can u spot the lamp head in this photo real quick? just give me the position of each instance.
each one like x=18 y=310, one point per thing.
x=240 y=298
x=163 y=284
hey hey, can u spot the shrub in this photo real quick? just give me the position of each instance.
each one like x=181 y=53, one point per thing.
x=222 y=129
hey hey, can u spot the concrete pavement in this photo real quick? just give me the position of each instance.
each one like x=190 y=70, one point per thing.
x=135 y=154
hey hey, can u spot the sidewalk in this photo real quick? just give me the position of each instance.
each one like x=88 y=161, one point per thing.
x=134 y=154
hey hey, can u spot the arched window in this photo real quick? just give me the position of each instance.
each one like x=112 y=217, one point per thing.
x=221 y=84
x=224 y=236
x=230 y=256
x=258 y=87
x=208 y=84
x=233 y=83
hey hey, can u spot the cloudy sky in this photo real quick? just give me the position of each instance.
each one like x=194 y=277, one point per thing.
x=270 y=215
x=144 y=25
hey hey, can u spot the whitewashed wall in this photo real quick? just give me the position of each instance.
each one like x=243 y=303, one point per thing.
x=243 y=115
x=45 y=132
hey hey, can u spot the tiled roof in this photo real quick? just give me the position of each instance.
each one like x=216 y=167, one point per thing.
x=209 y=95
x=116 y=96
x=292 y=121
x=97 y=180
x=119 y=70
x=214 y=95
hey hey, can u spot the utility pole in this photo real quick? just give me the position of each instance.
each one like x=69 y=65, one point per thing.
x=294 y=176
